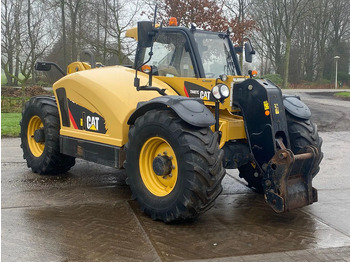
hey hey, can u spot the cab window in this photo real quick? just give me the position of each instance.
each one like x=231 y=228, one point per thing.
x=171 y=55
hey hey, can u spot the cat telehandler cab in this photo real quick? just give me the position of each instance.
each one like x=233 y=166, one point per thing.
x=175 y=120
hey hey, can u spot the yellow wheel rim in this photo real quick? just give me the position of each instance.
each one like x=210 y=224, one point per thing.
x=36 y=148
x=157 y=185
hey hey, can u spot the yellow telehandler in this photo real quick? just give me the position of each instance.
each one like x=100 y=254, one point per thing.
x=175 y=121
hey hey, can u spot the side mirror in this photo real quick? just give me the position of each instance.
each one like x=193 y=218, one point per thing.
x=248 y=52
x=42 y=66
x=144 y=33
x=46 y=66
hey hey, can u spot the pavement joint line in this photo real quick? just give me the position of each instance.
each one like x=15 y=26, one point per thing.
x=240 y=181
x=141 y=225
x=320 y=220
x=293 y=255
x=11 y=162
x=61 y=205
x=239 y=193
x=332 y=189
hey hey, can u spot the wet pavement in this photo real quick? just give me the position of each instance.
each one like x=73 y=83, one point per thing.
x=88 y=215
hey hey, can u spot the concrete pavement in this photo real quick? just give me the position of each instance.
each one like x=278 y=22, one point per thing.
x=88 y=215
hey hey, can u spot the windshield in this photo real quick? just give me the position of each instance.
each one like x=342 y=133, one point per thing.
x=215 y=53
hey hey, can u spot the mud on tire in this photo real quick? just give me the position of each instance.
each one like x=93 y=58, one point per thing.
x=40 y=117
x=195 y=158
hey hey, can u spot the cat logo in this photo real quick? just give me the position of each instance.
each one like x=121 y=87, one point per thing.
x=204 y=95
x=92 y=123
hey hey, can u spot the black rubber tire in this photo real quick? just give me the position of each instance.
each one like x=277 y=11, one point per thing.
x=301 y=133
x=199 y=160
x=304 y=133
x=51 y=161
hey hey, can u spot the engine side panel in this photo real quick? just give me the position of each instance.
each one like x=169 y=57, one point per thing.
x=100 y=101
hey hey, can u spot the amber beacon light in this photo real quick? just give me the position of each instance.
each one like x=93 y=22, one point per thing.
x=172 y=21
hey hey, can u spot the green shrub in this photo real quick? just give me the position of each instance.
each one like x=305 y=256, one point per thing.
x=12 y=104
x=275 y=78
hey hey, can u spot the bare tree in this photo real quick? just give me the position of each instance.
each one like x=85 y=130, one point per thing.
x=64 y=33
x=303 y=62
x=290 y=13
x=340 y=20
x=269 y=37
x=74 y=8
x=238 y=9
x=122 y=16
x=24 y=38
x=106 y=35
x=278 y=20
x=8 y=44
x=322 y=16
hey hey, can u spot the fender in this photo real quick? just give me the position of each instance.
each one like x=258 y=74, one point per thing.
x=190 y=110
x=296 y=107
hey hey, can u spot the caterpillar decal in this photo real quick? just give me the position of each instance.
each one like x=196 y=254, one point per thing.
x=83 y=119
x=194 y=90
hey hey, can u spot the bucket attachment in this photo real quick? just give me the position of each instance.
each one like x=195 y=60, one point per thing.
x=288 y=179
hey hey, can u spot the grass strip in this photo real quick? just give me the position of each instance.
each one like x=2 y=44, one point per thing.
x=342 y=94
x=10 y=124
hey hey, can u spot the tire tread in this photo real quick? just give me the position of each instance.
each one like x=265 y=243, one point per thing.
x=199 y=145
x=51 y=161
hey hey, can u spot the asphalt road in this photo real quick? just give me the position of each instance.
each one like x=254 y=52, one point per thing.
x=332 y=114
x=88 y=215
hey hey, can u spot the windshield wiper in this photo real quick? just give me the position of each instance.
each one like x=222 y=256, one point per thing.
x=229 y=61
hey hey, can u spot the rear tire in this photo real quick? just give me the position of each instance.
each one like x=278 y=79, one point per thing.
x=302 y=133
x=196 y=162
x=40 y=117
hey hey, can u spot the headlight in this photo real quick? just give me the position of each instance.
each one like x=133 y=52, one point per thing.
x=220 y=92
x=223 y=78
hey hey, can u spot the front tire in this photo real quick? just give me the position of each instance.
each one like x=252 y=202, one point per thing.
x=304 y=133
x=40 y=127
x=174 y=169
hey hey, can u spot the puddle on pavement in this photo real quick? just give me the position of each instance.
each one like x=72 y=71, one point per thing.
x=240 y=225
x=75 y=233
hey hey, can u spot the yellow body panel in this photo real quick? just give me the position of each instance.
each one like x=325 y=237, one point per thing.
x=132 y=33
x=178 y=84
x=77 y=66
x=231 y=126
x=109 y=92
